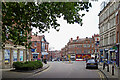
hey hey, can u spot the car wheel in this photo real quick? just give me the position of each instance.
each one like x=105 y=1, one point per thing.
x=86 y=67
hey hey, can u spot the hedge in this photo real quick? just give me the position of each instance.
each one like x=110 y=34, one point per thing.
x=29 y=65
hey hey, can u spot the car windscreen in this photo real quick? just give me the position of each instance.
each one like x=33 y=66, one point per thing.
x=91 y=61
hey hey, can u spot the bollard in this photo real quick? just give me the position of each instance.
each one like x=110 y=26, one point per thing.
x=112 y=70
x=103 y=66
x=107 y=67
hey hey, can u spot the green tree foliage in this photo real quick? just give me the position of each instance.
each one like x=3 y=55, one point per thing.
x=19 y=17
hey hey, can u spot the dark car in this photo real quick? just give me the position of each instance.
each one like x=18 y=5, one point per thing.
x=91 y=63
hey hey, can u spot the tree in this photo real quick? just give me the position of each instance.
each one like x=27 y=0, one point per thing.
x=19 y=17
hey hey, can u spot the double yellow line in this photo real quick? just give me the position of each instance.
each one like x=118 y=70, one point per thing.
x=101 y=76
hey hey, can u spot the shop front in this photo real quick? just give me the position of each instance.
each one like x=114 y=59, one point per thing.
x=45 y=55
x=101 y=55
x=35 y=56
x=82 y=57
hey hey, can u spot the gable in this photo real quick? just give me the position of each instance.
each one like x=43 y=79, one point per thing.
x=43 y=39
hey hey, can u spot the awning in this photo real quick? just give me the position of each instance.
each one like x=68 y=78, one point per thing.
x=45 y=53
x=112 y=50
x=35 y=53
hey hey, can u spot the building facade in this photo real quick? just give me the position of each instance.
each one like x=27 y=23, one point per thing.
x=118 y=34
x=107 y=30
x=55 y=55
x=12 y=54
x=39 y=47
x=81 y=48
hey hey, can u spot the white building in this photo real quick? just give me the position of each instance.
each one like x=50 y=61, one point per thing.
x=107 y=28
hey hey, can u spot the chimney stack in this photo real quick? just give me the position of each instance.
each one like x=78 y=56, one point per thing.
x=77 y=37
x=71 y=40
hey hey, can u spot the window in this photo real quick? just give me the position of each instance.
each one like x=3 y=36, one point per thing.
x=43 y=47
x=35 y=56
x=42 y=39
x=84 y=45
x=35 y=44
x=21 y=33
x=92 y=45
x=88 y=45
x=21 y=55
x=15 y=55
x=118 y=37
x=7 y=55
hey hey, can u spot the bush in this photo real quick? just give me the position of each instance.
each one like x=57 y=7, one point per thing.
x=29 y=65
x=17 y=65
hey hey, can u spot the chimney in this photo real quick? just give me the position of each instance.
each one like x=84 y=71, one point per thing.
x=77 y=37
x=71 y=39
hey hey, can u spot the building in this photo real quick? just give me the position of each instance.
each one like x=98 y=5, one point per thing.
x=39 y=47
x=55 y=55
x=81 y=48
x=107 y=30
x=12 y=53
x=118 y=35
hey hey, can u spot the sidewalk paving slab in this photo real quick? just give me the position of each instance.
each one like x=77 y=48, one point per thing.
x=109 y=75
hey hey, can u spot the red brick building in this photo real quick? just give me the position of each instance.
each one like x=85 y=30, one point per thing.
x=55 y=54
x=39 y=47
x=118 y=26
x=118 y=35
x=81 y=48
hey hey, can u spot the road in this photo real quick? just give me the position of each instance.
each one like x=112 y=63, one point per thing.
x=75 y=69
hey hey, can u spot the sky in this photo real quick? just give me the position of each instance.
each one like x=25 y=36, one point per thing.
x=58 y=40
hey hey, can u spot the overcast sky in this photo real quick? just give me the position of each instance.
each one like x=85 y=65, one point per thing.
x=58 y=40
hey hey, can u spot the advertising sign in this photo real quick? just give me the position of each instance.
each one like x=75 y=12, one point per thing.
x=7 y=55
x=83 y=56
x=32 y=50
x=15 y=55
x=21 y=55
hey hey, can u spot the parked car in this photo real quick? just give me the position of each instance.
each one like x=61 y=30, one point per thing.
x=91 y=63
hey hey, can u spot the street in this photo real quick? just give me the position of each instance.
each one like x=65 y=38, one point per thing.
x=76 y=69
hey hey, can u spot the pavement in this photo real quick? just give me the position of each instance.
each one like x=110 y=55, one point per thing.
x=10 y=73
x=109 y=74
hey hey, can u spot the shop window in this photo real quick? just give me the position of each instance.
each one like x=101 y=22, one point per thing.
x=7 y=55
x=35 y=56
x=21 y=55
x=15 y=55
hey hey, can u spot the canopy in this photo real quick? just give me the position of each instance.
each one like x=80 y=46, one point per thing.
x=45 y=53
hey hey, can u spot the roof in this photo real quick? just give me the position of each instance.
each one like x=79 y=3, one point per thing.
x=82 y=39
x=36 y=38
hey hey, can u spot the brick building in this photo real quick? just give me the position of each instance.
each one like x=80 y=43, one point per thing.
x=81 y=48
x=118 y=34
x=55 y=54
x=39 y=47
